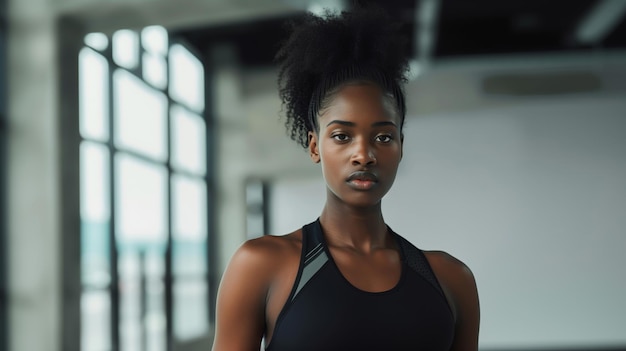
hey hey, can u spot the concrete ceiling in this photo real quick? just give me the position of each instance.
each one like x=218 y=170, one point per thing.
x=460 y=28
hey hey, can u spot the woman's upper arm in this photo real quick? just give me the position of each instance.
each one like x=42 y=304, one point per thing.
x=459 y=284
x=240 y=311
x=467 y=310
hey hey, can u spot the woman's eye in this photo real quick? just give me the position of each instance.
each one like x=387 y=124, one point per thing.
x=383 y=138
x=340 y=137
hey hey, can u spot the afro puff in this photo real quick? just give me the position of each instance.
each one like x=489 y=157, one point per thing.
x=323 y=52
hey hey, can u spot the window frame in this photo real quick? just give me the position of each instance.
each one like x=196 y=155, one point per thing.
x=72 y=41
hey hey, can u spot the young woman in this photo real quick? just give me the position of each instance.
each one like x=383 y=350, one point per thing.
x=346 y=281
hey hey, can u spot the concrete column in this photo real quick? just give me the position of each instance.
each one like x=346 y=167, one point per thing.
x=33 y=179
x=231 y=147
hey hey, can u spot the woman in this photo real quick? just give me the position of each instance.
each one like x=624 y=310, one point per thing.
x=346 y=281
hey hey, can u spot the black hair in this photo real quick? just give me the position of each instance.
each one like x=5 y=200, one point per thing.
x=324 y=52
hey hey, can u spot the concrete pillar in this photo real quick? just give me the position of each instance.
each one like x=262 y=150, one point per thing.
x=231 y=147
x=33 y=179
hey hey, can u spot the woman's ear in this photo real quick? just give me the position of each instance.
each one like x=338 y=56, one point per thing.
x=314 y=151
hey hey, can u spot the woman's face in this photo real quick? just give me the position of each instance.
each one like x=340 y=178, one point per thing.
x=359 y=145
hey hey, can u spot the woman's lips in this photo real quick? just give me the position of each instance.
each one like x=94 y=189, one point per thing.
x=362 y=184
x=362 y=180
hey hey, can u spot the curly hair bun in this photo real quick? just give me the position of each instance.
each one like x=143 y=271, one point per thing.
x=324 y=51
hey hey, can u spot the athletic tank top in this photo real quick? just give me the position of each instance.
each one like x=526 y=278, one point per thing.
x=326 y=312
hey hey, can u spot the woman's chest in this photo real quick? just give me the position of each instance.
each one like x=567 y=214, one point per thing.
x=330 y=314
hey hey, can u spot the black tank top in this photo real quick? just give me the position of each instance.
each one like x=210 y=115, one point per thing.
x=326 y=312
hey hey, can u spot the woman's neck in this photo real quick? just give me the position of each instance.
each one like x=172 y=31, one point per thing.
x=362 y=229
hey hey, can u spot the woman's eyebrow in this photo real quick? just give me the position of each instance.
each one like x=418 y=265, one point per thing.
x=352 y=124
x=343 y=123
x=384 y=123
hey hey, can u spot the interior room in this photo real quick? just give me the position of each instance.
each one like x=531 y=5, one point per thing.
x=142 y=142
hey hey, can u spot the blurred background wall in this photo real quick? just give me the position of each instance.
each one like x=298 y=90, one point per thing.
x=142 y=145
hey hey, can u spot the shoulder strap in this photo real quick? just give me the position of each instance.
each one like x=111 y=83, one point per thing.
x=313 y=256
x=416 y=259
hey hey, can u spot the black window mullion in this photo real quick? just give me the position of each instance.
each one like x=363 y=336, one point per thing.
x=168 y=279
x=113 y=266
x=212 y=276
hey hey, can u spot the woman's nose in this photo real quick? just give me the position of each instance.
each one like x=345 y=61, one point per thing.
x=363 y=154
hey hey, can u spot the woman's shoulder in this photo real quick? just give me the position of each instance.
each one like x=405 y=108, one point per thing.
x=268 y=251
x=459 y=286
x=244 y=287
x=258 y=262
x=453 y=274
x=446 y=263
x=273 y=244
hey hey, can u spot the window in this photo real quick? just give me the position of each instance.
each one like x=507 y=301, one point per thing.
x=144 y=192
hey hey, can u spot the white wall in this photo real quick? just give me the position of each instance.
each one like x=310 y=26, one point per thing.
x=531 y=196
